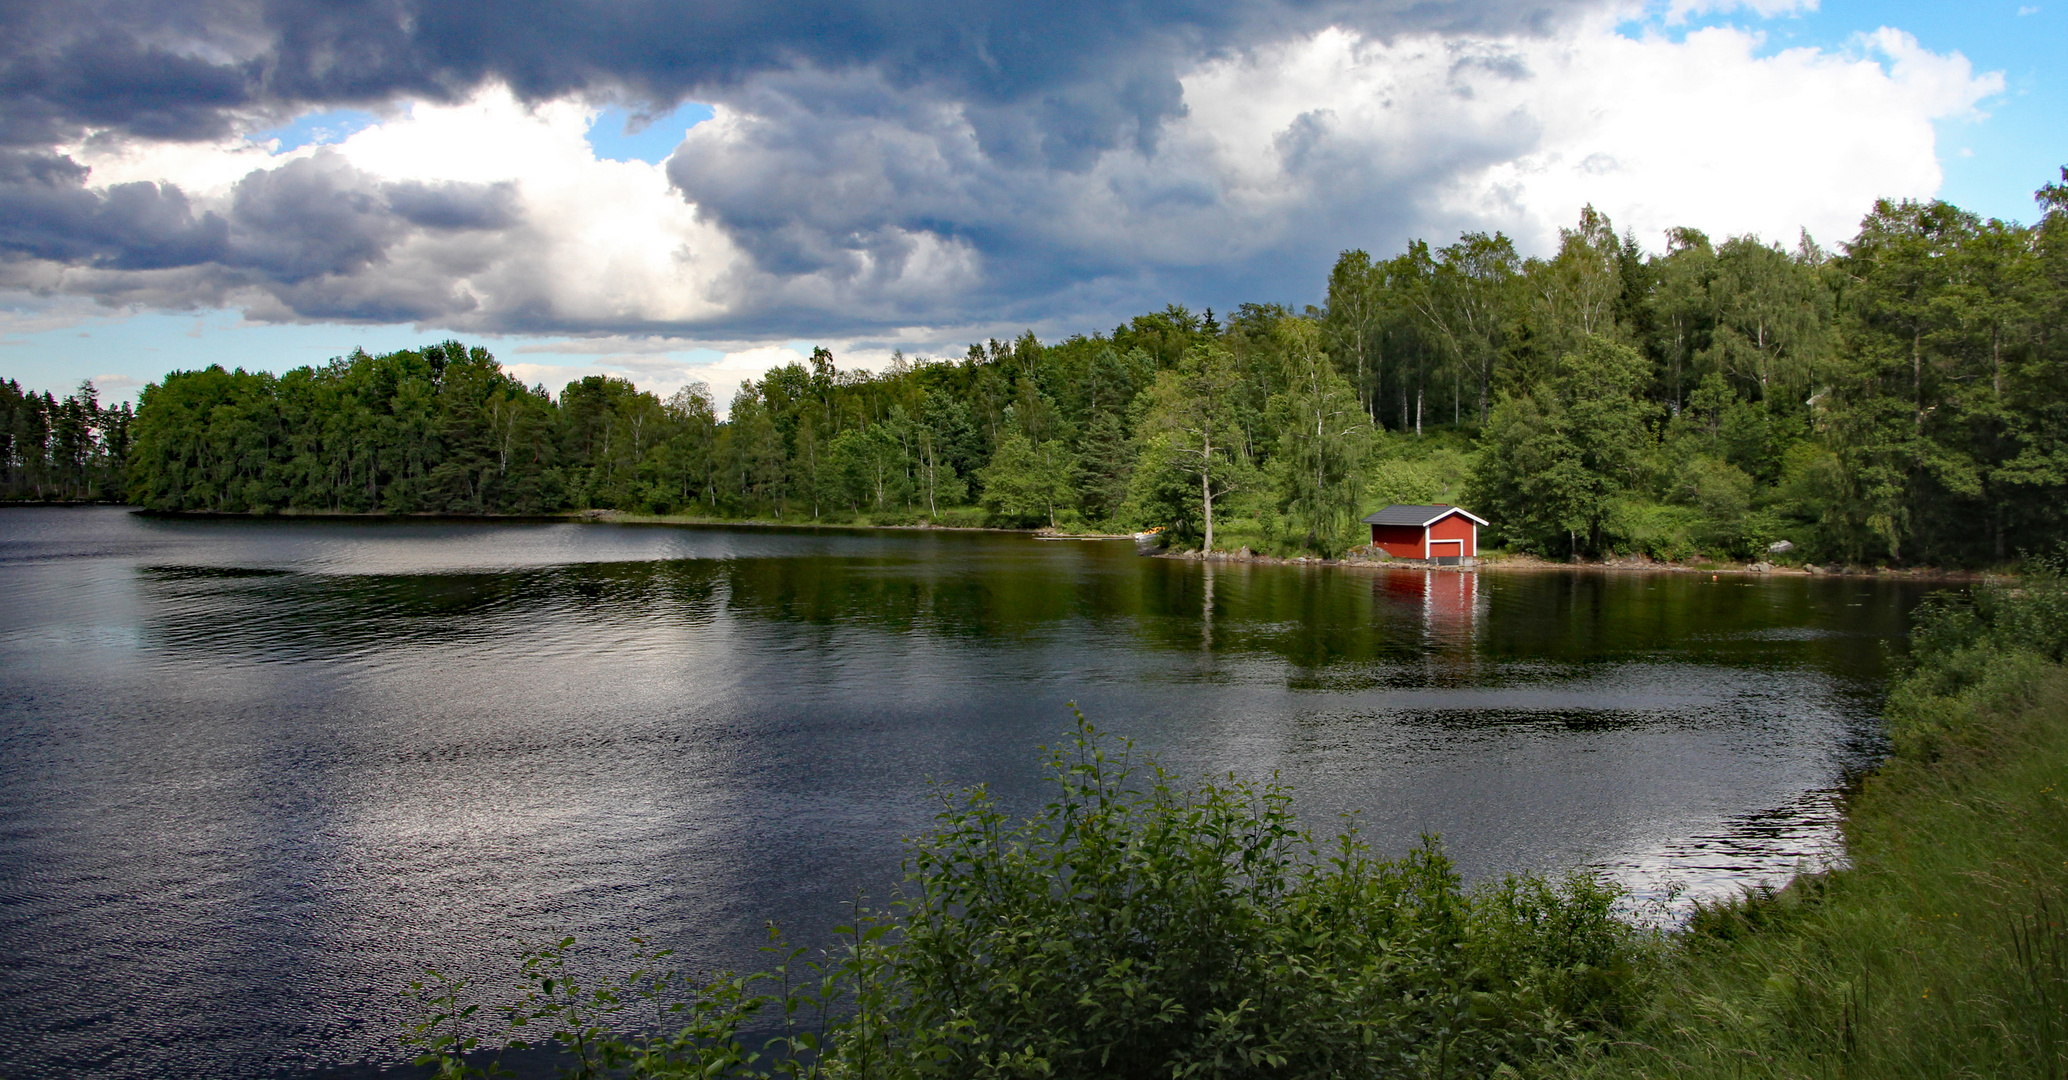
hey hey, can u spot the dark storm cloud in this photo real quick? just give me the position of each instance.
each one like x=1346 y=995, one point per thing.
x=455 y=206
x=46 y=212
x=875 y=142
x=831 y=183
x=1053 y=81
x=310 y=218
x=57 y=80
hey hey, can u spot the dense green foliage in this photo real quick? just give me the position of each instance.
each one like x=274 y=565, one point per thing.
x=1131 y=928
x=1943 y=950
x=442 y=428
x=1902 y=400
x=61 y=450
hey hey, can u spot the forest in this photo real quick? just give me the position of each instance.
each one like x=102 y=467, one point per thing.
x=62 y=449
x=1900 y=400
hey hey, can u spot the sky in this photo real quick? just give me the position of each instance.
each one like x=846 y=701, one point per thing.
x=676 y=191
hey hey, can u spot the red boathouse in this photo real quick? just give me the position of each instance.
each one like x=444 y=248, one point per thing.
x=1446 y=534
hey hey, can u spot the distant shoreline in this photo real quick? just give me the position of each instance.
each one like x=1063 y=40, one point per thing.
x=575 y=517
x=1507 y=563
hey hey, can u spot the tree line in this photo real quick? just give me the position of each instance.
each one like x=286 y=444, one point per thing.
x=1900 y=399
x=62 y=449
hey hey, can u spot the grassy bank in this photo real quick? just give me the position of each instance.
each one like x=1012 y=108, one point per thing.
x=1941 y=952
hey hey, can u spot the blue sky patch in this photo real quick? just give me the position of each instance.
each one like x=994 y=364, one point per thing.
x=319 y=128
x=1991 y=165
x=652 y=143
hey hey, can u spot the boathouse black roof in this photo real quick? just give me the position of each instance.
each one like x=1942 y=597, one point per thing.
x=1416 y=516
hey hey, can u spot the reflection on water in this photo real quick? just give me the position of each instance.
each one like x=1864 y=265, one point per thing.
x=252 y=773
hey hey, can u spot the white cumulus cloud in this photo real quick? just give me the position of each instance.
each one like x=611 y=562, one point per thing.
x=1518 y=134
x=846 y=205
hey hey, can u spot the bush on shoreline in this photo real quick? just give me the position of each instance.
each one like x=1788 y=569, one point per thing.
x=1132 y=927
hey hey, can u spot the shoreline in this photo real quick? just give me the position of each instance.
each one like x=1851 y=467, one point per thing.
x=1497 y=562
x=1961 y=817
x=1625 y=564
x=623 y=517
x=566 y=517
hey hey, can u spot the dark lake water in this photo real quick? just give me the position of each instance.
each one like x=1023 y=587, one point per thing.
x=254 y=774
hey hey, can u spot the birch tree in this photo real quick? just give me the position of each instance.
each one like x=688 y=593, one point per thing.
x=1323 y=433
x=1193 y=410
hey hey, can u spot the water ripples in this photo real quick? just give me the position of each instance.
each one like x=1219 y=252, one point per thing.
x=253 y=773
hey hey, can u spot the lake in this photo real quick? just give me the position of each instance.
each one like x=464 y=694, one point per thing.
x=254 y=774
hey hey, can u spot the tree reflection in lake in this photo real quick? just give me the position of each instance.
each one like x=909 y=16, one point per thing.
x=254 y=771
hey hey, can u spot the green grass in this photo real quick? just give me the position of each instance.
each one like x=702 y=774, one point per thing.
x=1941 y=951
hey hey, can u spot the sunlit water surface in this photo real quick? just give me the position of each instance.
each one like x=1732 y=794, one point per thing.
x=255 y=774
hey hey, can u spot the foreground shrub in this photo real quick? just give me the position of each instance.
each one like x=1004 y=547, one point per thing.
x=1132 y=928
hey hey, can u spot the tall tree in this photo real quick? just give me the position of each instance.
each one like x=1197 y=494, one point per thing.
x=1769 y=318
x=1681 y=316
x=1353 y=319
x=1556 y=458
x=1323 y=436
x=1465 y=295
x=1193 y=415
x=1026 y=480
x=1578 y=293
x=691 y=456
